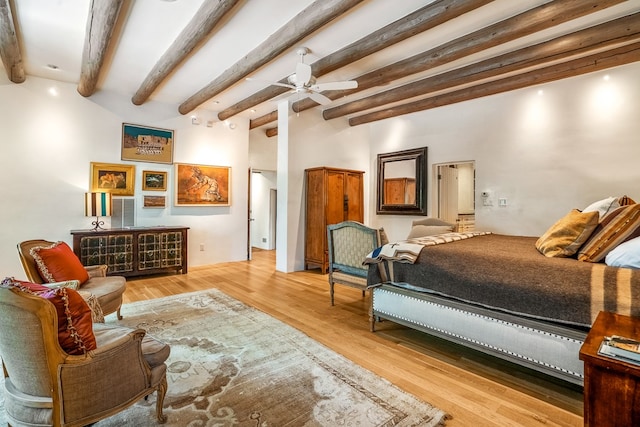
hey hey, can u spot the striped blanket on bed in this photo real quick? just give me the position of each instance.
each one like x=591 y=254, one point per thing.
x=407 y=251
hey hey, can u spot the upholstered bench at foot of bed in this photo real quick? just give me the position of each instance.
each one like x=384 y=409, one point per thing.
x=551 y=349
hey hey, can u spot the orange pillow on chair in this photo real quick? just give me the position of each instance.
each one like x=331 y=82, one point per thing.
x=75 y=326
x=58 y=263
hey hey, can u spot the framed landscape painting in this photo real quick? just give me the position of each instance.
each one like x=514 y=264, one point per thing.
x=154 y=181
x=113 y=178
x=146 y=144
x=202 y=185
x=153 y=202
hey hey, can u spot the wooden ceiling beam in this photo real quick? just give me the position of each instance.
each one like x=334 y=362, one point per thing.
x=303 y=24
x=9 y=47
x=198 y=29
x=589 y=64
x=271 y=132
x=103 y=15
x=529 y=22
x=417 y=22
x=604 y=36
x=263 y=120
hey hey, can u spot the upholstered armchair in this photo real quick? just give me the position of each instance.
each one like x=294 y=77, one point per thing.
x=47 y=386
x=107 y=289
x=349 y=243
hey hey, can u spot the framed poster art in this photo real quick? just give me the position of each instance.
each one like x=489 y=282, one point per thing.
x=146 y=144
x=154 y=181
x=158 y=202
x=113 y=178
x=202 y=185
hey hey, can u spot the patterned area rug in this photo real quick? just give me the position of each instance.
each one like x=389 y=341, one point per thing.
x=232 y=365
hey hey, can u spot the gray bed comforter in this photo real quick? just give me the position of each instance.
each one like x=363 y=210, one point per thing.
x=507 y=273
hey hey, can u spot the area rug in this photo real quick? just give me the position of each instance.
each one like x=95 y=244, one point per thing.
x=233 y=365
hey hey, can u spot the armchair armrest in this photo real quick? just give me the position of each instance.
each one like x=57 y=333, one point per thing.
x=97 y=270
x=112 y=381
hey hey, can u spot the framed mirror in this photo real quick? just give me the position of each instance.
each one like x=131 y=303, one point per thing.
x=402 y=182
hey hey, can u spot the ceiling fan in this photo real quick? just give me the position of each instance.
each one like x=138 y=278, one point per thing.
x=302 y=83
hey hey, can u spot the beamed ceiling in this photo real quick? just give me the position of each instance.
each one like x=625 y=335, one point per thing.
x=406 y=55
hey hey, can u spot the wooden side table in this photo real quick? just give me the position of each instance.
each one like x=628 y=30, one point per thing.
x=611 y=386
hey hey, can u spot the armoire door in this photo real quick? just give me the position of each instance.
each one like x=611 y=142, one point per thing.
x=353 y=191
x=335 y=209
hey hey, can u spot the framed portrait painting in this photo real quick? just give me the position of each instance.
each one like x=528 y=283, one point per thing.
x=154 y=181
x=146 y=144
x=202 y=185
x=113 y=178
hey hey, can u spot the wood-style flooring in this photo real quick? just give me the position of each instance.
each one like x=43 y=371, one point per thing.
x=476 y=390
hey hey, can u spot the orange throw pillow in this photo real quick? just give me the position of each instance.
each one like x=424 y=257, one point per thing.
x=58 y=263
x=75 y=327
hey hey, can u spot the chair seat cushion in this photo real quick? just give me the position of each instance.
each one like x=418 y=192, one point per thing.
x=108 y=290
x=75 y=332
x=155 y=352
x=348 y=279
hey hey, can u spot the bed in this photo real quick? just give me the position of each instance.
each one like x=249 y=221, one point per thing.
x=500 y=295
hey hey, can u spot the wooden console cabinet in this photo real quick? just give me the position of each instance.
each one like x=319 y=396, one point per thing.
x=133 y=251
x=332 y=196
x=611 y=386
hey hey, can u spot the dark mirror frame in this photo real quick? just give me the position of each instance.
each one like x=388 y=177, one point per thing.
x=420 y=205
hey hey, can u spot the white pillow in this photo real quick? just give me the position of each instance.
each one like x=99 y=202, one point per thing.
x=603 y=207
x=626 y=254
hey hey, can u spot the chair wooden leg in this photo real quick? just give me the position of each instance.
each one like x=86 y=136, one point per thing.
x=118 y=313
x=331 y=292
x=160 y=393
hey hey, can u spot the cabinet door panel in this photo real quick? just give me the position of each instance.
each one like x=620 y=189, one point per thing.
x=335 y=197
x=314 y=249
x=354 y=193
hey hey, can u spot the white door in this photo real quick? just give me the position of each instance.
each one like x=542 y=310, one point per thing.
x=448 y=193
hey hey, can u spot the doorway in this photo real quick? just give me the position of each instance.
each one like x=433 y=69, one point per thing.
x=262 y=216
x=455 y=190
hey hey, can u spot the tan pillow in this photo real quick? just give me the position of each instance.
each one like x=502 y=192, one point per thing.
x=431 y=221
x=619 y=226
x=565 y=237
x=384 y=239
x=428 y=230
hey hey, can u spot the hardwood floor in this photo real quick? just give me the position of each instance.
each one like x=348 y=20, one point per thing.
x=476 y=390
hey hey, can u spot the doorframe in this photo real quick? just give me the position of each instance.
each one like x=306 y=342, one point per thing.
x=436 y=181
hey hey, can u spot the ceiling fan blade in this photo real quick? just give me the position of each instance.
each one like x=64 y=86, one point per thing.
x=303 y=74
x=347 y=84
x=251 y=79
x=319 y=98
x=282 y=96
x=282 y=85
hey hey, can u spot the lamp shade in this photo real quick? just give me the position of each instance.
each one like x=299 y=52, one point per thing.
x=97 y=204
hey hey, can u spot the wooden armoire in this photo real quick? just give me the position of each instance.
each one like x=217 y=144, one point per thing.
x=332 y=196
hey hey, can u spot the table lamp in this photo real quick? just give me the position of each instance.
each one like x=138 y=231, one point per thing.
x=97 y=204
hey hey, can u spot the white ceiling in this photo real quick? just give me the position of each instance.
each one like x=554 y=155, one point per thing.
x=52 y=32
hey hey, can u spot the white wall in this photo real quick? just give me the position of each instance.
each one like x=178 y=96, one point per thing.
x=577 y=142
x=547 y=154
x=48 y=142
x=315 y=142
